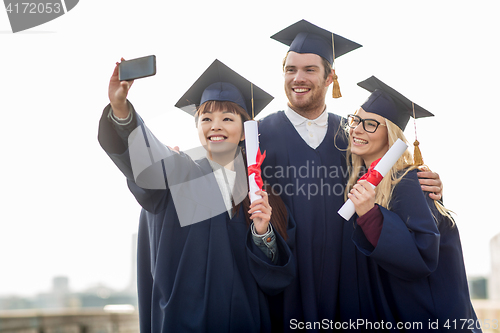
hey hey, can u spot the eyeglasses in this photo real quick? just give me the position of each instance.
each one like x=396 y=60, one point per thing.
x=369 y=125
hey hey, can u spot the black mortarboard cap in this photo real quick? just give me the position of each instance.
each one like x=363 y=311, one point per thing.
x=305 y=37
x=221 y=83
x=390 y=104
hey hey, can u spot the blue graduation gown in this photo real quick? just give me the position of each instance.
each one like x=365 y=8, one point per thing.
x=415 y=275
x=311 y=182
x=204 y=277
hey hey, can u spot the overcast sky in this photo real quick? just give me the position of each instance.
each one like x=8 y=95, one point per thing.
x=66 y=209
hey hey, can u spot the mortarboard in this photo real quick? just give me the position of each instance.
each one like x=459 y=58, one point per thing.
x=305 y=37
x=388 y=103
x=221 y=83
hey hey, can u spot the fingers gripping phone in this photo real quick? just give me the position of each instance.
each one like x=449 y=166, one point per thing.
x=137 y=68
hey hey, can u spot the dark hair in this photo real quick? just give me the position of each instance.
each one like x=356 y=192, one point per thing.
x=279 y=217
x=326 y=66
x=221 y=105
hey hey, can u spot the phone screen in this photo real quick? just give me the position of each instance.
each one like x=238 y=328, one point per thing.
x=137 y=68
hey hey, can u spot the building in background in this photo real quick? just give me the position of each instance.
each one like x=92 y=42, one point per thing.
x=62 y=297
x=494 y=282
x=132 y=287
x=478 y=287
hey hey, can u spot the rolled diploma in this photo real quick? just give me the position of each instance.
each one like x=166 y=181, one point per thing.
x=383 y=166
x=251 y=147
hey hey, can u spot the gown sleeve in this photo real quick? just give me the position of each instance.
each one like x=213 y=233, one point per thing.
x=408 y=246
x=271 y=277
x=142 y=158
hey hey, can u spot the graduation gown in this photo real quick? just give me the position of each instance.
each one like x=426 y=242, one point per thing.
x=207 y=276
x=311 y=182
x=415 y=276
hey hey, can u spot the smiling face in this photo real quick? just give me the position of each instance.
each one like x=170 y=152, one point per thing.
x=220 y=130
x=369 y=146
x=305 y=83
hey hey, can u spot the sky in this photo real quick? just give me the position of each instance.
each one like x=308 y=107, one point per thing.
x=66 y=209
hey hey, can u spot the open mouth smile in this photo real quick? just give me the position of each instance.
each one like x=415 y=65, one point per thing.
x=301 y=90
x=359 y=141
x=217 y=138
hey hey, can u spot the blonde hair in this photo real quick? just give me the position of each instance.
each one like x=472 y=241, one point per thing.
x=405 y=164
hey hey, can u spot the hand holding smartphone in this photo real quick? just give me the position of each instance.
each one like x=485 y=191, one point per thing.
x=137 y=68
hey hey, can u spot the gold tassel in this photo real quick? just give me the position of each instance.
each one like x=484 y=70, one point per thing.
x=336 y=88
x=417 y=155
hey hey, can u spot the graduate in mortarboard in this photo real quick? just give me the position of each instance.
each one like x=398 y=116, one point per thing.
x=413 y=272
x=207 y=258
x=307 y=165
x=304 y=165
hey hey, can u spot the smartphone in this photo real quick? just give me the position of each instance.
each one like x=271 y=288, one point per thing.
x=137 y=68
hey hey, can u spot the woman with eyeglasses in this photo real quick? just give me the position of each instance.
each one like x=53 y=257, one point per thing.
x=410 y=269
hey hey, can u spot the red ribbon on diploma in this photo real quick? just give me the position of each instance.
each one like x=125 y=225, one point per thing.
x=373 y=176
x=255 y=168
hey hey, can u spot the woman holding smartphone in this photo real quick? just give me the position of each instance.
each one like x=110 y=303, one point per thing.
x=207 y=258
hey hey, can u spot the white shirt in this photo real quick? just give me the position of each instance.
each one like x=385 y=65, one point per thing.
x=312 y=131
x=225 y=179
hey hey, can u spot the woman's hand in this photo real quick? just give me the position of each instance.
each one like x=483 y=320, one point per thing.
x=117 y=93
x=260 y=213
x=362 y=196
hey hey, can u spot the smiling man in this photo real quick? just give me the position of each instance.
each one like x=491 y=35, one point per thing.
x=306 y=83
x=306 y=165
